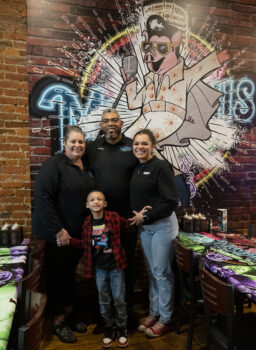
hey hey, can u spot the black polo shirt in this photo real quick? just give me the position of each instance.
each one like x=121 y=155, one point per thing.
x=112 y=166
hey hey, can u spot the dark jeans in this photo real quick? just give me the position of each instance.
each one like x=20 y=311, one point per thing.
x=129 y=240
x=61 y=266
x=111 y=288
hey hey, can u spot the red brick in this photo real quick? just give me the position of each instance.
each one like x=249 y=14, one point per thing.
x=14 y=169
x=10 y=148
x=41 y=150
x=6 y=192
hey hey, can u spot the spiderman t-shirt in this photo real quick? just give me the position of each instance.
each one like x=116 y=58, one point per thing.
x=103 y=257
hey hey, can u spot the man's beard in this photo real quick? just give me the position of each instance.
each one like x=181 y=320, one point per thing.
x=112 y=135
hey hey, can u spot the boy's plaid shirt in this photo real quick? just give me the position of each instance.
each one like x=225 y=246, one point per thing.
x=115 y=223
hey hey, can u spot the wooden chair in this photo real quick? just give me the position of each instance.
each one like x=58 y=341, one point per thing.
x=38 y=253
x=190 y=297
x=31 y=282
x=30 y=335
x=225 y=329
x=252 y=230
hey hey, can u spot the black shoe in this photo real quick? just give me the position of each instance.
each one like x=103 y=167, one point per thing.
x=79 y=327
x=64 y=333
x=122 y=337
x=109 y=337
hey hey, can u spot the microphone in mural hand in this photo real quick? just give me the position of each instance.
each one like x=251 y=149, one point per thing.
x=130 y=67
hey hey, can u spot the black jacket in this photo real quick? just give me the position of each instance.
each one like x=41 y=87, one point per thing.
x=153 y=184
x=60 y=196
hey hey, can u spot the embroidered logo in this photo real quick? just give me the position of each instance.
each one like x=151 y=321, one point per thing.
x=125 y=149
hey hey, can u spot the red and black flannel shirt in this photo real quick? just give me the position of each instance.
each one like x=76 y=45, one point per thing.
x=115 y=224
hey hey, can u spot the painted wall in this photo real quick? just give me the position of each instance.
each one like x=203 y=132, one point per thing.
x=202 y=111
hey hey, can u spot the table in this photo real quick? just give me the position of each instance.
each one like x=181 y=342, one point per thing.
x=229 y=256
x=12 y=264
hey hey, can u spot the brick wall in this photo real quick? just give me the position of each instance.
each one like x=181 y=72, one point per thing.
x=14 y=132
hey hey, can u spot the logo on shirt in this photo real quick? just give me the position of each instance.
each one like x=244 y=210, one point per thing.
x=100 y=238
x=100 y=148
x=125 y=149
x=146 y=172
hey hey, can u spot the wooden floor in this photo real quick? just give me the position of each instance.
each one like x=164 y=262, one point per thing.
x=137 y=340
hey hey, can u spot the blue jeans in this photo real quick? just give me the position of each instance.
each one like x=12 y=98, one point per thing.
x=111 y=284
x=156 y=241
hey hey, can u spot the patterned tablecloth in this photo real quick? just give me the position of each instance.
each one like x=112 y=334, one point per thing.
x=12 y=264
x=230 y=256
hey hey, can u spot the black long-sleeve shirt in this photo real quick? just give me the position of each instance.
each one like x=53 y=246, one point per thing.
x=61 y=190
x=152 y=183
x=112 y=166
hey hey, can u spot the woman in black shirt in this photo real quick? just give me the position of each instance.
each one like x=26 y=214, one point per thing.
x=61 y=189
x=152 y=185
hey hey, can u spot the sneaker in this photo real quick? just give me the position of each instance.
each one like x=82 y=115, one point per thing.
x=64 y=333
x=122 y=337
x=157 y=330
x=146 y=323
x=109 y=336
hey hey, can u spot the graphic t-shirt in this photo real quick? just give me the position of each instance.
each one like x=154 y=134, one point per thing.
x=103 y=257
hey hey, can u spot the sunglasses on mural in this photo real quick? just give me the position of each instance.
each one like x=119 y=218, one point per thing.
x=162 y=48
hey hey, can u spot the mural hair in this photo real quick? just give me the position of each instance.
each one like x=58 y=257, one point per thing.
x=156 y=25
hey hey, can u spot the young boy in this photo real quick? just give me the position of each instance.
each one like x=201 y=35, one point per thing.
x=103 y=250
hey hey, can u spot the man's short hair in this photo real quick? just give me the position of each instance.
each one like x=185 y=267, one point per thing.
x=110 y=110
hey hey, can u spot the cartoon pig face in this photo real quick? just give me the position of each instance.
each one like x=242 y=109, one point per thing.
x=160 y=53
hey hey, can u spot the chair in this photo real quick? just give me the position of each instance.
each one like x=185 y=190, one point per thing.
x=38 y=254
x=29 y=335
x=190 y=297
x=225 y=329
x=31 y=282
x=252 y=230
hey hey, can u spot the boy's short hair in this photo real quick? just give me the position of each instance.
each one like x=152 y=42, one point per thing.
x=96 y=191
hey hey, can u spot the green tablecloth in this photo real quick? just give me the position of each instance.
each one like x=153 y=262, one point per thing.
x=8 y=297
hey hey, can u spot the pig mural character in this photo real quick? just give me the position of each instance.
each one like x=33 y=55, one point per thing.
x=175 y=102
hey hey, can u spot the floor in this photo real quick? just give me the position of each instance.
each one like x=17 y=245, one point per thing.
x=137 y=340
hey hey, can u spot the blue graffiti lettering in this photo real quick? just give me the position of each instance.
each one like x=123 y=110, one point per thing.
x=244 y=108
x=63 y=99
x=237 y=102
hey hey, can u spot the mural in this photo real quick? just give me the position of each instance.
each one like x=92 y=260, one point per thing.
x=159 y=74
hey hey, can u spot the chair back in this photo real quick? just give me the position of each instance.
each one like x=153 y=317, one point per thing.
x=31 y=282
x=38 y=254
x=218 y=295
x=30 y=335
x=252 y=230
x=184 y=258
x=218 y=300
x=190 y=294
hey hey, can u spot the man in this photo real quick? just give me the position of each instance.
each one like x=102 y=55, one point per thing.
x=111 y=159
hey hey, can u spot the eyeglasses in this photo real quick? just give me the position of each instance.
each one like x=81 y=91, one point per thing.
x=110 y=120
x=162 y=48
